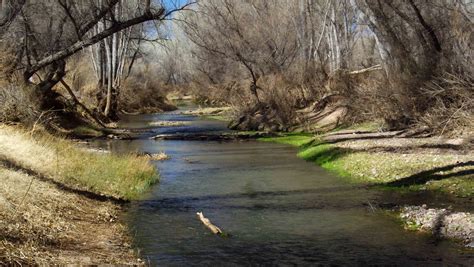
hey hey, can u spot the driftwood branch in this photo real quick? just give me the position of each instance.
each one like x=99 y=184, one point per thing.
x=376 y=67
x=214 y=229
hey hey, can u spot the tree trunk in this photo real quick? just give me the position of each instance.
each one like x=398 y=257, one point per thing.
x=44 y=89
x=109 y=57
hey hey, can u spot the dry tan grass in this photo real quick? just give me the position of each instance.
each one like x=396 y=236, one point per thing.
x=450 y=104
x=17 y=103
x=46 y=217
x=121 y=176
x=41 y=224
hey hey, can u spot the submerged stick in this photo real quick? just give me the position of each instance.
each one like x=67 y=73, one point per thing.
x=214 y=229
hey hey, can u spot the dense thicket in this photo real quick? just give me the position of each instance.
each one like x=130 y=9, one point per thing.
x=319 y=63
x=282 y=64
x=64 y=52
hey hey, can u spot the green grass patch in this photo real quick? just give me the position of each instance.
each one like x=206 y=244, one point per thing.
x=294 y=139
x=311 y=149
x=460 y=186
x=124 y=176
x=326 y=156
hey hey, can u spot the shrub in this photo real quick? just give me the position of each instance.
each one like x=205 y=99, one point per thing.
x=450 y=103
x=17 y=103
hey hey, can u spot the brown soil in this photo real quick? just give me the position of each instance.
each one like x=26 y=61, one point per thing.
x=42 y=224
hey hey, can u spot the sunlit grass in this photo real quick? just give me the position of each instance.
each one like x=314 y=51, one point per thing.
x=123 y=176
x=294 y=139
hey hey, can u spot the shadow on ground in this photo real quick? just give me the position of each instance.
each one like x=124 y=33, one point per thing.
x=12 y=165
x=434 y=174
x=322 y=152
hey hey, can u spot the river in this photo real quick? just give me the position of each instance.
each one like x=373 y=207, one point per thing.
x=276 y=208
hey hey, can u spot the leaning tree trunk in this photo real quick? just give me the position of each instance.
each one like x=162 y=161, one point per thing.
x=46 y=94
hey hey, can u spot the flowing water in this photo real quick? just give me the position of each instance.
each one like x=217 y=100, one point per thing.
x=277 y=209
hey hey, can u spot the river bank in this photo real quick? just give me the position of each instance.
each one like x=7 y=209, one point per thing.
x=60 y=202
x=392 y=161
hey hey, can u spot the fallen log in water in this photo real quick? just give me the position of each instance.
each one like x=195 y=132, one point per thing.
x=214 y=229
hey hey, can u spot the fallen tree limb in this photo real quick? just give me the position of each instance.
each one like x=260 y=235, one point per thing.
x=214 y=229
x=376 y=67
x=78 y=103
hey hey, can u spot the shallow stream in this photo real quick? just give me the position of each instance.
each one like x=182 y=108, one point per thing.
x=276 y=208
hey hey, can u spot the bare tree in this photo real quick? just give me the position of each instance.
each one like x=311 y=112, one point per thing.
x=110 y=55
x=245 y=33
x=410 y=46
x=63 y=28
